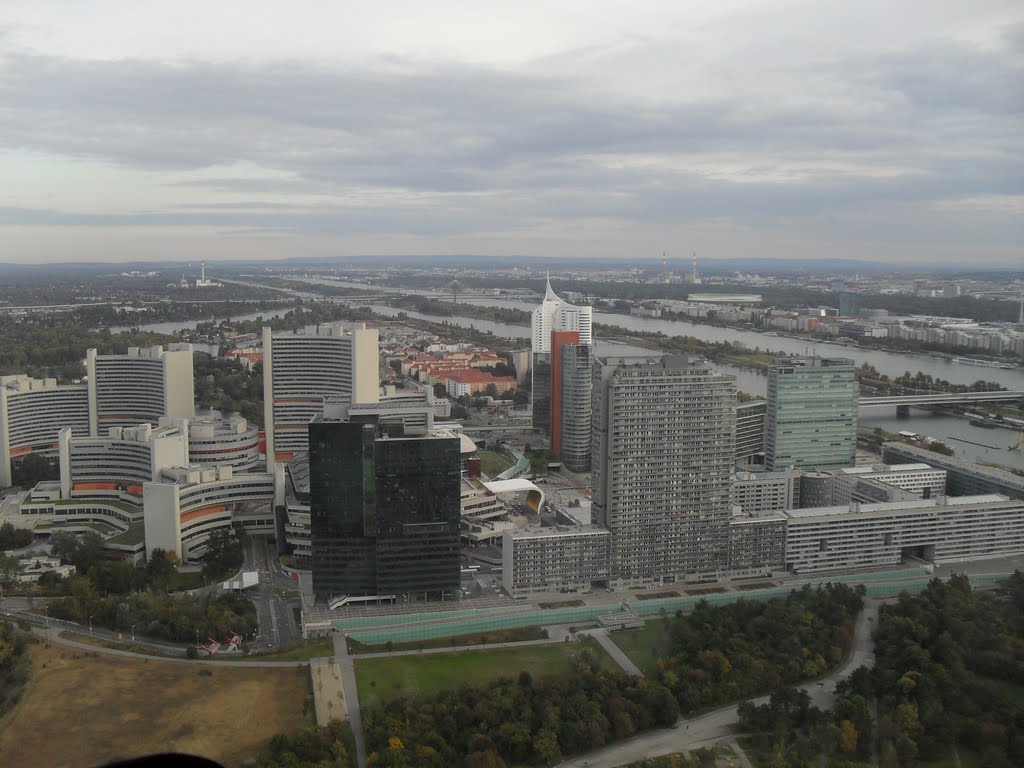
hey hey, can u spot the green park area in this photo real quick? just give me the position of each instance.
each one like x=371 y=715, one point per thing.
x=493 y=464
x=414 y=674
x=646 y=645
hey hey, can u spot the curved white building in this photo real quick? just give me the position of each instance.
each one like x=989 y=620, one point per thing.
x=139 y=387
x=124 y=460
x=554 y=314
x=216 y=440
x=301 y=368
x=32 y=414
x=187 y=504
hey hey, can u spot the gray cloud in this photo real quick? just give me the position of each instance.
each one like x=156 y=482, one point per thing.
x=447 y=149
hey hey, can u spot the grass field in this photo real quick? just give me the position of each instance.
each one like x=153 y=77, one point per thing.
x=408 y=675
x=493 y=464
x=644 y=646
x=82 y=709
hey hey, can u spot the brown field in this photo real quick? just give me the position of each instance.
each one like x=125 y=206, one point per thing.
x=82 y=709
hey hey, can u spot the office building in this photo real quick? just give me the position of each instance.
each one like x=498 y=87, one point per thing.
x=563 y=559
x=384 y=510
x=759 y=492
x=944 y=530
x=231 y=440
x=963 y=478
x=139 y=387
x=750 y=432
x=32 y=414
x=868 y=483
x=122 y=460
x=663 y=444
x=572 y=441
x=301 y=368
x=552 y=316
x=811 y=416
x=757 y=542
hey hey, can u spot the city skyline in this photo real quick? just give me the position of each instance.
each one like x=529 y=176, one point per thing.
x=796 y=130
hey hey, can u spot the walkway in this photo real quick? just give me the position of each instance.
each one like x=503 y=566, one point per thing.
x=601 y=635
x=716 y=726
x=351 y=693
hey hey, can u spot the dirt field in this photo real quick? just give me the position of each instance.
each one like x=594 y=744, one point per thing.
x=83 y=710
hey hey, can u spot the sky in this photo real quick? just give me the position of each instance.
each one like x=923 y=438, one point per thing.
x=136 y=130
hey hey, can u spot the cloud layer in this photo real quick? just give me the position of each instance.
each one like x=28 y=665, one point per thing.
x=901 y=152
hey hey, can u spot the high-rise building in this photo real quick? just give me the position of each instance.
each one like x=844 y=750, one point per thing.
x=663 y=441
x=559 y=340
x=301 y=368
x=811 y=418
x=554 y=323
x=384 y=510
x=553 y=315
x=139 y=387
x=576 y=383
x=32 y=414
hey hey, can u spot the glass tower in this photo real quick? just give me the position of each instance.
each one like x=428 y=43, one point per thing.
x=811 y=417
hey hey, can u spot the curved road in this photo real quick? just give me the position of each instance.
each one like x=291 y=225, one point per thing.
x=717 y=725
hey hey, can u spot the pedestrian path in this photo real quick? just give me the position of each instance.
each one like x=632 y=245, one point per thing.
x=351 y=694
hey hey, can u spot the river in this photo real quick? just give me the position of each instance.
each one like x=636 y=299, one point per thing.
x=890 y=363
x=754 y=382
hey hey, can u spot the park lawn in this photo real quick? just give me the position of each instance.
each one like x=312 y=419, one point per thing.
x=415 y=674
x=493 y=464
x=644 y=646
x=81 y=708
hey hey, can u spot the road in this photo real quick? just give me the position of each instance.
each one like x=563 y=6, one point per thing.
x=717 y=725
x=274 y=614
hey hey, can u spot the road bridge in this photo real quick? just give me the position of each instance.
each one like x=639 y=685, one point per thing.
x=904 y=402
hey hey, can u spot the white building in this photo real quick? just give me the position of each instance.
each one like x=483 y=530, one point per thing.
x=139 y=387
x=553 y=314
x=301 y=368
x=944 y=530
x=555 y=559
x=216 y=440
x=33 y=412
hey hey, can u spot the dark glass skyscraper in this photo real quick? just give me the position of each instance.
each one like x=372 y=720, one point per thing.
x=384 y=508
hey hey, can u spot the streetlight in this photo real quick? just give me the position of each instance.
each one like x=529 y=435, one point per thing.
x=197 y=636
x=133 y=633
x=90 y=625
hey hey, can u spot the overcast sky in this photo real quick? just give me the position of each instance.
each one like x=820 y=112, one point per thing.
x=885 y=130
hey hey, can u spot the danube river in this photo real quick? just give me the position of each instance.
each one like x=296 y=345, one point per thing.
x=969 y=442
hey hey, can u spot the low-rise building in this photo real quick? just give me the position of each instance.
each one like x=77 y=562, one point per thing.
x=944 y=530
x=555 y=559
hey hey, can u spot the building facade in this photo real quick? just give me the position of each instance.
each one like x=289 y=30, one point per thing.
x=811 y=415
x=559 y=559
x=750 y=432
x=303 y=367
x=384 y=511
x=963 y=478
x=553 y=315
x=32 y=414
x=576 y=388
x=946 y=530
x=139 y=387
x=663 y=444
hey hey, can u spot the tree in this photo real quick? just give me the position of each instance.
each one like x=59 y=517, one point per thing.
x=847 y=737
x=396 y=365
x=160 y=567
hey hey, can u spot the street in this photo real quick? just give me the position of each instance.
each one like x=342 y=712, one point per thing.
x=274 y=608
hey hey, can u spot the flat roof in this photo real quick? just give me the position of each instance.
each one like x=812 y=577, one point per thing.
x=897 y=506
